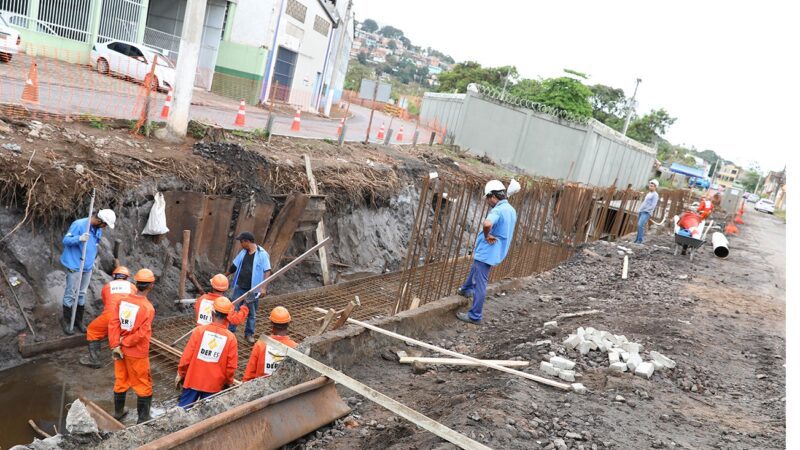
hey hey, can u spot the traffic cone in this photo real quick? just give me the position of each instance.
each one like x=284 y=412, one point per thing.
x=240 y=115
x=339 y=130
x=381 y=132
x=731 y=229
x=167 y=105
x=296 y=121
x=400 y=134
x=739 y=220
x=31 y=91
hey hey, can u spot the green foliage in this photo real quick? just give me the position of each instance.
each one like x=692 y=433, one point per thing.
x=651 y=126
x=96 y=122
x=392 y=45
x=526 y=88
x=566 y=94
x=355 y=73
x=362 y=58
x=413 y=109
x=370 y=26
x=750 y=180
x=406 y=42
x=462 y=74
x=390 y=32
x=446 y=58
x=608 y=105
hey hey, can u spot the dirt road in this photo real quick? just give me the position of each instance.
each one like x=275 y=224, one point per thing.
x=722 y=321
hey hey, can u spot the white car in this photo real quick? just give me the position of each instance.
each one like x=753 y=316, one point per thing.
x=9 y=41
x=134 y=61
x=765 y=205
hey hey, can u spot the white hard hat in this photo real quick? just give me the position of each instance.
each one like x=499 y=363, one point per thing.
x=654 y=181
x=493 y=185
x=107 y=216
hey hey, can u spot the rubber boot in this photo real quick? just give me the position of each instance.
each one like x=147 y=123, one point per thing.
x=93 y=360
x=79 y=319
x=143 y=408
x=119 y=405
x=67 y=316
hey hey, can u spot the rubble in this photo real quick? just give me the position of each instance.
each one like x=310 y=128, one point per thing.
x=79 y=421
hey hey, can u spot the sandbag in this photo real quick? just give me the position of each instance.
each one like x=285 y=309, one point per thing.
x=157 y=221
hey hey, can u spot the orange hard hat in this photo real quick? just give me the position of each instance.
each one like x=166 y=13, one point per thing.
x=222 y=305
x=280 y=314
x=219 y=282
x=145 y=276
x=121 y=270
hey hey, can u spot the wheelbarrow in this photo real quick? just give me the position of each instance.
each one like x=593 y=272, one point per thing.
x=688 y=244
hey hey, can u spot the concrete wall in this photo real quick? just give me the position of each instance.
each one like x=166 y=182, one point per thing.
x=538 y=143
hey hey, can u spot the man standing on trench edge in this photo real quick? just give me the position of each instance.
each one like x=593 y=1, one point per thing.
x=74 y=241
x=646 y=210
x=250 y=267
x=491 y=247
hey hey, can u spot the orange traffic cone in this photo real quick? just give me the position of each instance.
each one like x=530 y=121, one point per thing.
x=240 y=115
x=381 y=134
x=167 y=105
x=339 y=130
x=296 y=121
x=731 y=229
x=739 y=220
x=31 y=91
x=400 y=134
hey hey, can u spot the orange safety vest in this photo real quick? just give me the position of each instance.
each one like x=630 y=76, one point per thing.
x=204 y=310
x=265 y=359
x=131 y=326
x=209 y=359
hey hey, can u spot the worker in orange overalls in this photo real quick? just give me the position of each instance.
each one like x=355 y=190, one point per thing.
x=705 y=208
x=129 y=335
x=204 y=305
x=209 y=359
x=112 y=292
x=265 y=358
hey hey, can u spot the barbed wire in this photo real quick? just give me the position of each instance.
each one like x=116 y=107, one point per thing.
x=496 y=94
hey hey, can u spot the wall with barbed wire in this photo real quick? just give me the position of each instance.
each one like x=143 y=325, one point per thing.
x=540 y=139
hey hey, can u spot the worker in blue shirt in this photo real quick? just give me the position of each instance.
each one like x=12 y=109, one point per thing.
x=76 y=238
x=250 y=267
x=646 y=209
x=491 y=247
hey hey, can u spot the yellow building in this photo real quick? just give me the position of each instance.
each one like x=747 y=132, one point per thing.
x=727 y=174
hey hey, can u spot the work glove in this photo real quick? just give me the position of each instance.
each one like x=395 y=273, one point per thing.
x=178 y=381
x=84 y=237
x=250 y=299
x=116 y=353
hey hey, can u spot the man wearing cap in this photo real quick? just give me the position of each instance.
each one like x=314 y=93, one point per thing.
x=209 y=359
x=491 y=248
x=264 y=359
x=74 y=241
x=97 y=330
x=646 y=209
x=129 y=335
x=250 y=267
x=204 y=305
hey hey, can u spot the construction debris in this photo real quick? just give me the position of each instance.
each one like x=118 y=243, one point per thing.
x=79 y=421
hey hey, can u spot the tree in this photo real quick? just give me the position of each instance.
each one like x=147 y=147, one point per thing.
x=370 y=26
x=362 y=57
x=392 y=45
x=406 y=42
x=390 y=32
x=650 y=127
x=608 y=105
x=462 y=74
x=526 y=88
x=566 y=94
x=750 y=180
x=355 y=73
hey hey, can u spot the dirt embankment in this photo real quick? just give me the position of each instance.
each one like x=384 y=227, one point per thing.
x=727 y=390
x=48 y=171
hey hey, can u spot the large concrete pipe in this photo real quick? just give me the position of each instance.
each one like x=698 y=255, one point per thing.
x=720 y=243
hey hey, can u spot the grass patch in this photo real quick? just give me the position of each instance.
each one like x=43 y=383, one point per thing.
x=781 y=215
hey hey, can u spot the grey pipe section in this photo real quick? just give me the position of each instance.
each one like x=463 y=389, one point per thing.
x=720 y=243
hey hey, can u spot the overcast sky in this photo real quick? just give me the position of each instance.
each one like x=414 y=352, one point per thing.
x=722 y=69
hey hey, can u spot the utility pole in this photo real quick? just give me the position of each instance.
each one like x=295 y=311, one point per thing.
x=338 y=60
x=186 y=68
x=716 y=168
x=505 y=83
x=630 y=108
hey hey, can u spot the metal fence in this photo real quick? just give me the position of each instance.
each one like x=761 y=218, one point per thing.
x=168 y=44
x=68 y=18
x=119 y=20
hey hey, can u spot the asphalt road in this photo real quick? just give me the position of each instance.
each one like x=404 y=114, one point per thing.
x=110 y=97
x=766 y=239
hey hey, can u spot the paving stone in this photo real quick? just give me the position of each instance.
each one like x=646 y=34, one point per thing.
x=548 y=369
x=562 y=363
x=613 y=356
x=579 y=388
x=619 y=367
x=572 y=341
x=567 y=375
x=634 y=360
x=645 y=370
x=663 y=360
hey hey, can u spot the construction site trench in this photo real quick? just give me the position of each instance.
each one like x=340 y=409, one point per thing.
x=402 y=222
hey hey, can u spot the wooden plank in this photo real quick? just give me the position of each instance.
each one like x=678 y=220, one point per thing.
x=320 y=231
x=461 y=362
x=390 y=404
x=443 y=351
x=326 y=322
x=414 y=303
x=283 y=228
x=344 y=315
x=105 y=421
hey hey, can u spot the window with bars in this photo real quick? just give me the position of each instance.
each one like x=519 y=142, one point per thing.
x=297 y=10
x=321 y=25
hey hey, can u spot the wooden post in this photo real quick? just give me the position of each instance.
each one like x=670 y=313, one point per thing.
x=187 y=236
x=323 y=253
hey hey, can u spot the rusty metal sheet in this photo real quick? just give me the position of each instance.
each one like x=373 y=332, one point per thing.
x=283 y=228
x=215 y=225
x=184 y=210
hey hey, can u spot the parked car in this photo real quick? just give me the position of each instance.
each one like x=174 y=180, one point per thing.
x=134 y=61
x=9 y=41
x=20 y=21
x=765 y=205
x=753 y=198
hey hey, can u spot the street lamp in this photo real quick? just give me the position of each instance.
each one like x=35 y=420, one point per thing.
x=630 y=108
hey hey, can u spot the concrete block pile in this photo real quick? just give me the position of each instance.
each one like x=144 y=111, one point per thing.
x=623 y=355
